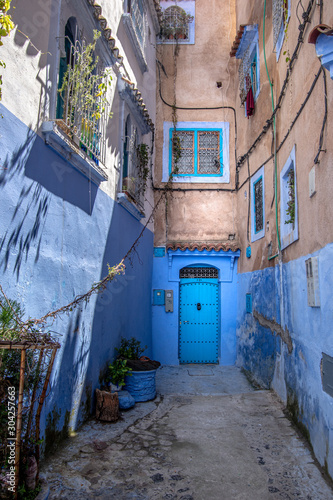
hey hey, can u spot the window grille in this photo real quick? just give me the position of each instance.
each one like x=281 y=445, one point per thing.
x=84 y=115
x=278 y=15
x=174 y=25
x=209 y=158
x=132 y=183
x=137 y=14
x=186 y=161
x=201 y=152
x=248 y=70
x=244 y=73
x=258 y=205
x=198 y=272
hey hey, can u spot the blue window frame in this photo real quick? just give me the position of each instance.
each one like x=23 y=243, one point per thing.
x=249 y=68
x=201 y=152
x=258 y=205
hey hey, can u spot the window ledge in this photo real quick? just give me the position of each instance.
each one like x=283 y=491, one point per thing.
x=130 y=30
x=126 y=201
x=60 y=142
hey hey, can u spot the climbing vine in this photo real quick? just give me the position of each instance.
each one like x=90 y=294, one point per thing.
x=142 y=156
x=86 y=87
x=290 y=211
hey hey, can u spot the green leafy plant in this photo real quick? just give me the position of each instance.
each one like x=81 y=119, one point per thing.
x=142 y=155
x=117 y=372
x=176 y=152
x=85 y=87
x=286 y=27
x=290 y=212
x=174 y=23
x=130 y=348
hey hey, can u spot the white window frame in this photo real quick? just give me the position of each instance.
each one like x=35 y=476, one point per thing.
x=280 y=40
x=189 y=7
x=195 y=179
x=288 y=232
x=139 y=46
x=259 y=234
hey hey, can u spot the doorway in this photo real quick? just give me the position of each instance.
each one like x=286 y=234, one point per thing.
x=199 y=315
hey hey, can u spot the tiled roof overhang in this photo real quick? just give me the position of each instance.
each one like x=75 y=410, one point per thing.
x=237 y=40
x=132 y=96
x=106 y=31
x=232 y=245
x=131 y=90
x=319 y=30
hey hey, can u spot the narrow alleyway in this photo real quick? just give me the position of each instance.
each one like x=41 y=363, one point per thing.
x=208 y=435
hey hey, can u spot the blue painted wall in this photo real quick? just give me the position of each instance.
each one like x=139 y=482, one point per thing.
x=280 y=294
x=58 y=233
x=166 y=324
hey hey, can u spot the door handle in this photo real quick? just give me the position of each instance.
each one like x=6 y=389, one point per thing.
x=198 y=306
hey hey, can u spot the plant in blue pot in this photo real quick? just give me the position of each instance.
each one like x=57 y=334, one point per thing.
x=117 y=371
x=142 y=383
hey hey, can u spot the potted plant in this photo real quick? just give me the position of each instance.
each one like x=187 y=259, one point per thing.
x=116 y=374
x=174 y=24
x=142 y=383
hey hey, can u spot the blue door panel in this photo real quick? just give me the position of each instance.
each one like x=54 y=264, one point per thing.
x=199 y=321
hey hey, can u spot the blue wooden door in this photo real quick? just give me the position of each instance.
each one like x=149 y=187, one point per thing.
x=199 y=321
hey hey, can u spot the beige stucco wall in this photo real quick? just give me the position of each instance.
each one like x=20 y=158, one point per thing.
x=315 y=213
x=208 y=214
x=213 y=215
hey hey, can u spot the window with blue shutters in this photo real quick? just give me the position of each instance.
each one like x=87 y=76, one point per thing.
x=196 y=152
x=249 y=68
x=258 y=205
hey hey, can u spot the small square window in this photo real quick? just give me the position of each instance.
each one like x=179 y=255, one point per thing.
x=177 y=25
x=196 y=152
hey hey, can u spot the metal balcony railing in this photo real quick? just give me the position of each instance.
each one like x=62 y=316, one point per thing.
x=84 y=111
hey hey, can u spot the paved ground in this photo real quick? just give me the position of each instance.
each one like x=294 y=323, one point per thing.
x=207 y=436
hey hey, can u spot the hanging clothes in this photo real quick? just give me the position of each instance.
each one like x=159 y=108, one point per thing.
x=249 y=103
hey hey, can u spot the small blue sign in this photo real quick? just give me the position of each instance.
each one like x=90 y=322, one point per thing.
x=249 y=303
x=158 y=297
x=248 y=252
x=159 y=251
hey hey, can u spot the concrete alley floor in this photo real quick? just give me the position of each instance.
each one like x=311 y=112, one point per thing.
x=207 y=436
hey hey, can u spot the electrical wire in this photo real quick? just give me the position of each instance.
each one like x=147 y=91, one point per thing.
x=182 y=108
x=321 y=138
x=291 y=126
x=307 y=19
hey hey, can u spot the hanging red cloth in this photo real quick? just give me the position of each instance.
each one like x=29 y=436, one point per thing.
x=249 y=103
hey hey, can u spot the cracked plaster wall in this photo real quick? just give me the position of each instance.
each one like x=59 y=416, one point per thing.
x=282 y=341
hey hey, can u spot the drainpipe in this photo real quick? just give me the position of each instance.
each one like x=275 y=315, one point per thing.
x=275 y=181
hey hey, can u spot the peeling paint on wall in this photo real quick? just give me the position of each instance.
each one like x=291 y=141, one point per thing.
x=275 y=328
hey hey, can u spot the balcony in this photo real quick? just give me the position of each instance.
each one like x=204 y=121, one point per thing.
x=78 y=133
